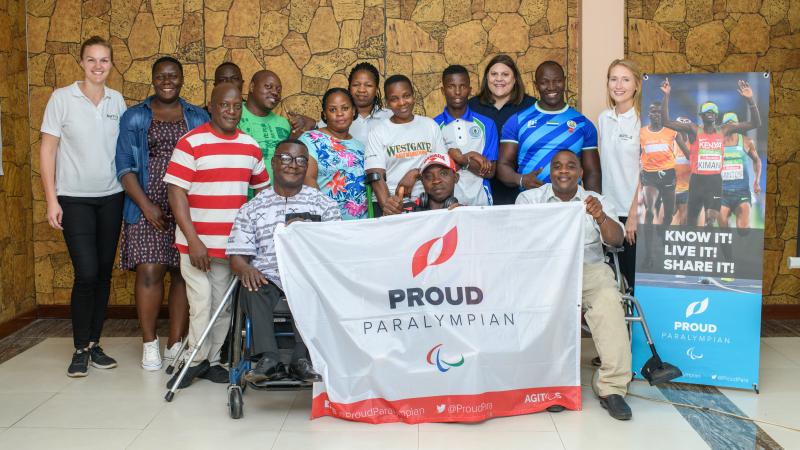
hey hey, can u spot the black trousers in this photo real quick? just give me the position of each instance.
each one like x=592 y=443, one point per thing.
x=258 y=307
x=627 y=259
x=91 y=232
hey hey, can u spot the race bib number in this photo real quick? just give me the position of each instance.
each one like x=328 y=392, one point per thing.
x=733 y=172
x=709 y=162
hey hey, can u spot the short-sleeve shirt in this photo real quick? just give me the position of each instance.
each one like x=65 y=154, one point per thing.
x=362 y=125
x=471 y=132
x=216 y=170
x=619 y=156
x=658 y=152
x=87 y=140
x=268 y=131
x=399 y=148
x=254 y=228
x=593 y=239
x=340 y=171
x=539 y=134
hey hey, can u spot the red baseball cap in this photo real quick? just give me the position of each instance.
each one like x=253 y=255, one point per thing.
x=440 y=159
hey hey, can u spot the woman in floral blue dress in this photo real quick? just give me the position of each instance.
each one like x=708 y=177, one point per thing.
x=336 y=166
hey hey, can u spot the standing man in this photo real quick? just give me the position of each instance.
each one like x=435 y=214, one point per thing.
x=707 y=146
x=735 y=177
x=251 y=248
x=229 y=72
x=601 y=299
x=532 y=136
x=207 y=181
x=657 y=156
x=470 y=137
x=258 y=119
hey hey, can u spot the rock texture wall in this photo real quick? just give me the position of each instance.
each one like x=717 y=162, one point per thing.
x=17 y=293
x=740 y=36
x=311 y=44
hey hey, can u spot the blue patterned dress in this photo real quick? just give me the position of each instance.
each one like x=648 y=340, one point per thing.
x=340 y=173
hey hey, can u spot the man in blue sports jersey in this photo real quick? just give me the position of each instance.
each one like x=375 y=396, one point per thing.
x=532 y=136
x=470 y=137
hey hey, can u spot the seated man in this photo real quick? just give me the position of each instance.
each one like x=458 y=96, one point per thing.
x=251 y=250
x=601 y=299
x=439 y=179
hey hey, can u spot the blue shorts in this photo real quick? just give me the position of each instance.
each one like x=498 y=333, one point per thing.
x=732 y=199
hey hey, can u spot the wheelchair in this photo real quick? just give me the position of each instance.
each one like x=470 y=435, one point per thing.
x=655 y=371
x=239 y=346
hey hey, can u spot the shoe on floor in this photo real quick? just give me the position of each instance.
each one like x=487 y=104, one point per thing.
x=191 y=374
x=100 y=359
x=170 y=353
x=303 y=370
x=216 y=374
x=616 y=406
x=151 y=356
x=266 y=369
x=79 y=367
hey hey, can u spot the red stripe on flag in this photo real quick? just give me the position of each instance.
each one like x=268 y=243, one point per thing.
x=217 y=201
x=450 y=408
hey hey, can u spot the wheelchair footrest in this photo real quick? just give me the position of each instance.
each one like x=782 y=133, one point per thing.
x=287 y=384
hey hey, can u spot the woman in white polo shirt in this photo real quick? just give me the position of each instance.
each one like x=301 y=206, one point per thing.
x=84 y=198
x=618 y=127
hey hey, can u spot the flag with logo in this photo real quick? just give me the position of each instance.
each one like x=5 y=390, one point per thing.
x=701 y=216
x=440 y=316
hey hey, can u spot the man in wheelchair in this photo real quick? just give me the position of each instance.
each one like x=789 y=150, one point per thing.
x=601 y=297
x=251 y=250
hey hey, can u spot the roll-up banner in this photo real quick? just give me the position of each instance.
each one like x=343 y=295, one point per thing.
x=700 y=214
x=440 y=316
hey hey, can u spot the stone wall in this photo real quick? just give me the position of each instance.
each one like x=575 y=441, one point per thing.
x=17 y=293
x=739 y=36
x=311 y=44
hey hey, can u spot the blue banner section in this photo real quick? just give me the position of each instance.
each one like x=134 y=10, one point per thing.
x=711 y=332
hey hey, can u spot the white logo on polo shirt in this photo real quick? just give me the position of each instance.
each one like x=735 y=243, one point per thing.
x=532 y=123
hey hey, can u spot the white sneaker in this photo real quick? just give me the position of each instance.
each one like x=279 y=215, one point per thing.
x=151 y=356
x=170 y=353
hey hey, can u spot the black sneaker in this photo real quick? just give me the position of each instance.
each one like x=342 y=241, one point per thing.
x=216 y=374
x=100 y=359
x=191 y=374
x=616 y=406
x=79 y=367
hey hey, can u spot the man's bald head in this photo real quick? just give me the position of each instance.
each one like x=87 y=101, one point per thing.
x=264 y=93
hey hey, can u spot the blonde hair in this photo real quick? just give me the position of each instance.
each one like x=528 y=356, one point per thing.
x=637 y=78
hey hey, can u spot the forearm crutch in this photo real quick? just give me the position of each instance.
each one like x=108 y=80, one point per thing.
x=186 y=364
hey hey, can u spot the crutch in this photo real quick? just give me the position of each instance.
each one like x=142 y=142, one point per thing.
x=222 y=305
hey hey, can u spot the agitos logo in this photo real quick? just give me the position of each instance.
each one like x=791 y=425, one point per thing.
x=435 y=295
x=439 y=362
x=422 y=255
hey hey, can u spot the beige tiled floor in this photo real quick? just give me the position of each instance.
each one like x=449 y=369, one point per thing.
x=124 y=408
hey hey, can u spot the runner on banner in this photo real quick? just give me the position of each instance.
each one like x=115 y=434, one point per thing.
x=451 y=323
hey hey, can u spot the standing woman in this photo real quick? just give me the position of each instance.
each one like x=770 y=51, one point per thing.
x=502 y=95
x=619 y=127
x=84 y=198
x=148 y=133
x=336 y=166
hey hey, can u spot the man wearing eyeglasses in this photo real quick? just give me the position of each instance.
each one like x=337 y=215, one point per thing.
x=251 y=250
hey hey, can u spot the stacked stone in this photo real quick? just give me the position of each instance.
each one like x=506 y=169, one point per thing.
x=671 y=36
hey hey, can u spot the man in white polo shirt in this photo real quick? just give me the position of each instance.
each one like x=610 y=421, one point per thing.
x=470 y=137
x=601 y=299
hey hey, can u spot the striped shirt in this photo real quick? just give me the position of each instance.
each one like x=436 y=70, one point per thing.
x=540 y=134
x=216 y=170
x=254 y=229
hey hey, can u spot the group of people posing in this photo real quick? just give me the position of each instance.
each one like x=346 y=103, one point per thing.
x=198 y=192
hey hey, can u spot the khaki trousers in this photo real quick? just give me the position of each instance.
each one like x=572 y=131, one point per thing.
x=205 y=291
x=605 y=315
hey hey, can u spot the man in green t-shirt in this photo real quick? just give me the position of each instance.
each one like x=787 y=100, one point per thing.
x=258 y=120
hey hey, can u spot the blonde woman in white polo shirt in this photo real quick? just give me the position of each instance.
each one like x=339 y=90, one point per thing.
x=84 y=198
x=619 y=145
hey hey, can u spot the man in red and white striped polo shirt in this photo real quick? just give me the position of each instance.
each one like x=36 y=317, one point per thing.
x=207 y=181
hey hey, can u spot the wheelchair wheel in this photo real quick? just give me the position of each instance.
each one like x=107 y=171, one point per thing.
x=235 y=403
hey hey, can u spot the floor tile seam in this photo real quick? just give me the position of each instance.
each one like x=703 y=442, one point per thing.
x=555 y=427
x=49 y=397
x=780 y=352
x=136 y=438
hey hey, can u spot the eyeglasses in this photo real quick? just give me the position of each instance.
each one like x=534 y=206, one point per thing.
x=286 y=160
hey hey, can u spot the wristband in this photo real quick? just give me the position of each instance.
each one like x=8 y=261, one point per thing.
x=373 y=177
x=605 y=216
x=520 y=181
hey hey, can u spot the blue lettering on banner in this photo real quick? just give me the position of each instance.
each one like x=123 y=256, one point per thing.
x=702 y=332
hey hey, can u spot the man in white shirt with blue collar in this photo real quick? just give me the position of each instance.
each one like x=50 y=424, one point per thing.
x=601 y=298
